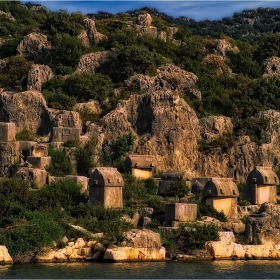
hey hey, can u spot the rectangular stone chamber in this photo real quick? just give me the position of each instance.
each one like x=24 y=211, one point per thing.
x=181 y=212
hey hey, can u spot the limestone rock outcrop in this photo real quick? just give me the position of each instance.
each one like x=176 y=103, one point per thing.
x=34 y=47
x=162 y=122
x=144 y=19
x=91 y=61
x=143 y=239
x=271 y=66
x=5 y=257
x=218 y=62
x=232 y=250
x=213 y=126
x=92 y=107
x=28 y=110
x=224 y=46
x=8 y=16
x=90 y=36
x=144 y=26
x=169 y=77
x=141 y=245
x=38 y=75
x=263 y=228
x=63 y=118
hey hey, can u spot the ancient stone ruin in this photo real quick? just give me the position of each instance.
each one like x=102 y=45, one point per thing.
x=222 y=193
x=105 y=187
x=140 y=166
x=261 y=186
x=180 y=212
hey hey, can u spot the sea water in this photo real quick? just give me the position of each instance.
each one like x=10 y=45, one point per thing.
x=254 y=269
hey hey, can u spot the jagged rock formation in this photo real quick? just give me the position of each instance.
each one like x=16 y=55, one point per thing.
x=90 y=36
x=28 y=110
x=271 y=66
x=8 y=15
x=162 y=122
x=34 y=47
x=92 y=107
x=38 y=75
x=169 y=77
x=63 y=118
x=144 y=26
x=223 y=46
x=263 y=228
x=218 y=62
x=141 y=245
x=144 y=20
x=91 y=61
x=213 y=126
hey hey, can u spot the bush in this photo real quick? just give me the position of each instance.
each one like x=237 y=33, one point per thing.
x=60 y=164
x=25 y=135
x=100 y=219
x=151 y=186
x=208 y=210
x=189 y=236
x=179 y=188
x=63 y=194
x=131 y=60
x=116 y=153
x=133 y=188
x=85 y=157
x=224 y=142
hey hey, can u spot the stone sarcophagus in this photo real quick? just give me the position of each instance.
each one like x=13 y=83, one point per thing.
x=105 y=187
x=180 y=212
x=64 y=134
x=7 y=131
x=140 y=166
x=261 y=186
x=222 y=194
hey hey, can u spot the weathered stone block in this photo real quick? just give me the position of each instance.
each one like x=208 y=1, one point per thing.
x=181 y=212
x=40 y=150
x=39 y=162
x=9 y=153
x=27 y=145
x=7 y=131
x=63 y=134
x=36 y=177
x=105 y=187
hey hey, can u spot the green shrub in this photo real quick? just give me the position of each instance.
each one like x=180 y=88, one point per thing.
x=224 y=142
x=38 y=230
x=196 y=234
x=131 y=60
x=85 y=157
x=192 y=235
x=100 y=219
x=60 y=164
x=133 y=188
x=179 y=188
x=208 y=210
x=151 y=186
x=63 y=194
x=25 y=135
x=244 y=203
x=118 y=151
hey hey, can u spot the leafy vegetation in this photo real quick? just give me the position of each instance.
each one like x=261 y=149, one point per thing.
x=60 y=164
x=25 y=135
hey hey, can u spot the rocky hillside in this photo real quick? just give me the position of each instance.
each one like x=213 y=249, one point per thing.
x=206 y=105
